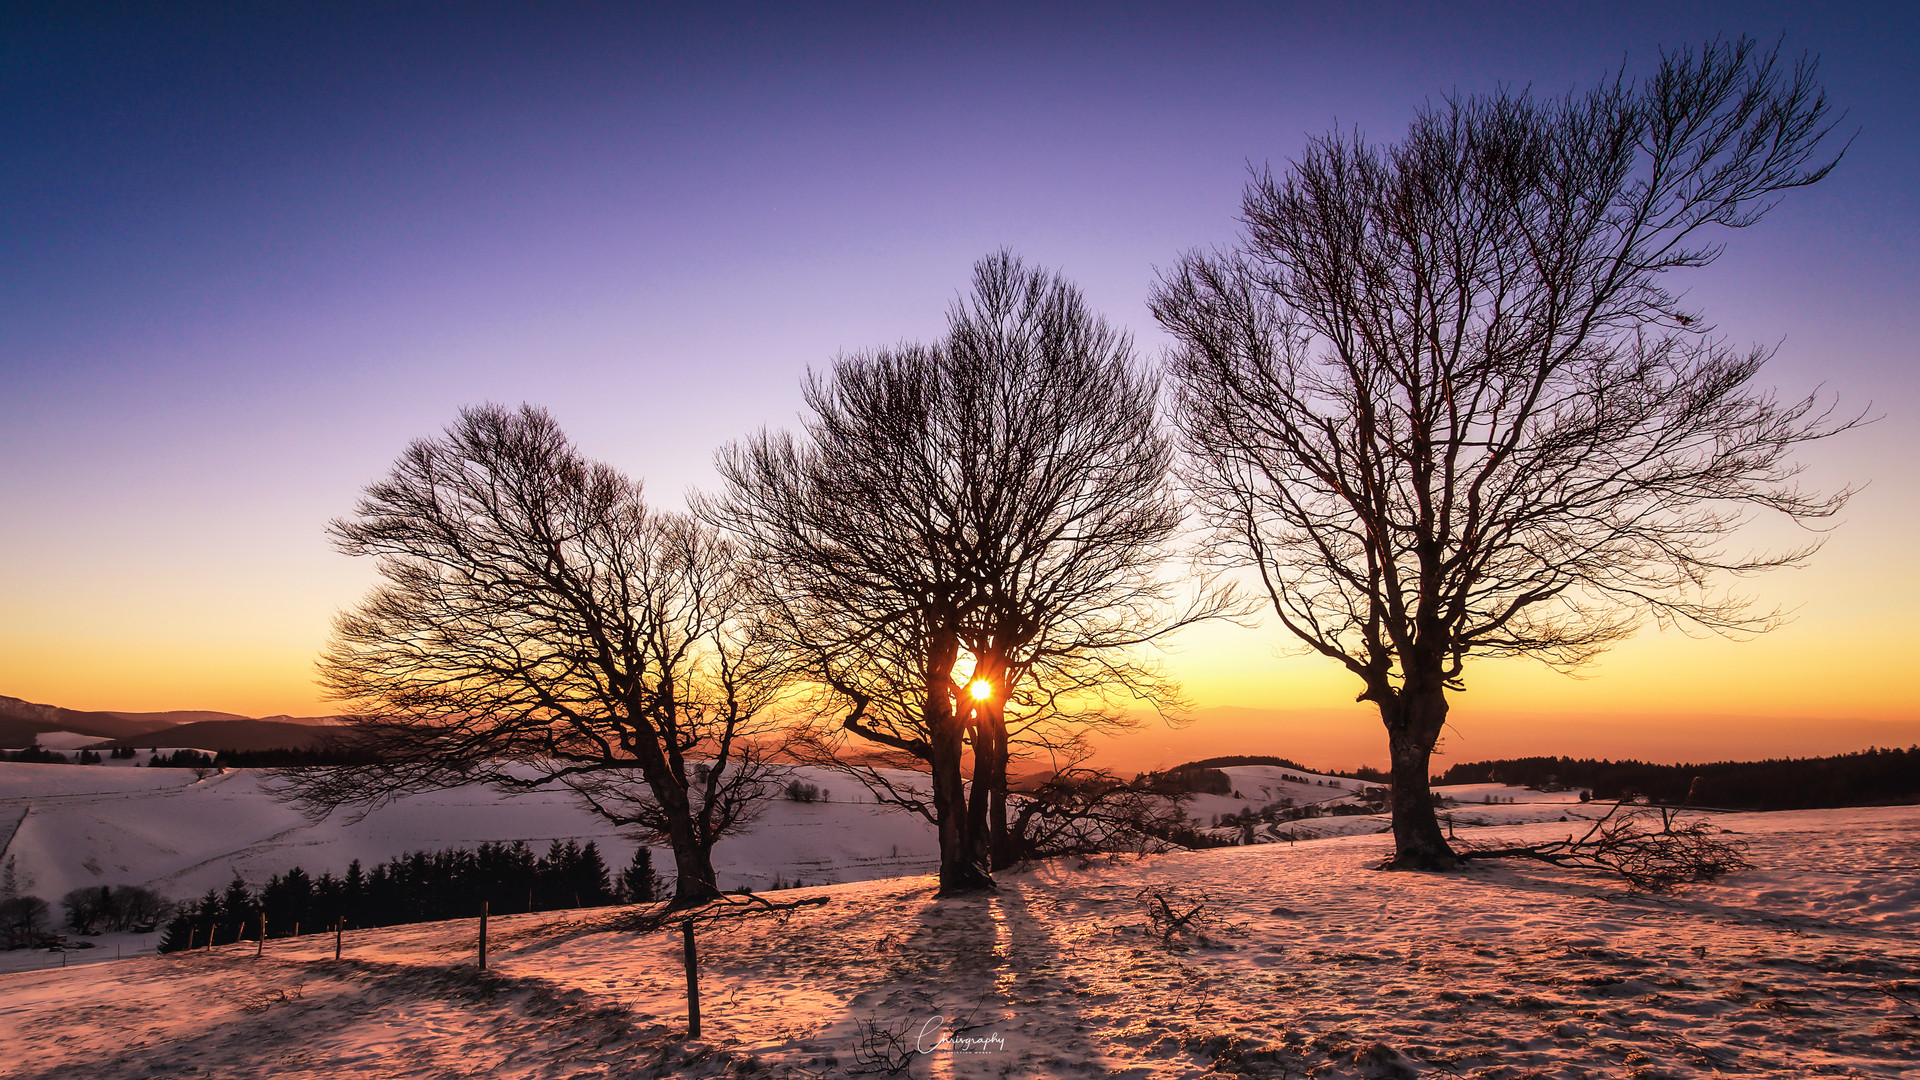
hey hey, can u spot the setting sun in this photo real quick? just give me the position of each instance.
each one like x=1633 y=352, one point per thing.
x=981 y=689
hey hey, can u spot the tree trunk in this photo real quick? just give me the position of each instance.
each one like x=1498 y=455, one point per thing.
x=694 y=883
x=1414 y=719
x=961 y=871
x=987 y=801
x=979 y=840
x=1004 y=855
x=991 y=747
x=960 y=868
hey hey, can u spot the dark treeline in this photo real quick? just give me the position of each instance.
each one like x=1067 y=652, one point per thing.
x=1229 y=760
x=278 y=758
x=1186 y=778
x=185 y=759
x=1866 y=778
x=1366 y=773
x=420 y=887
x=34 y=755
x=292 y=758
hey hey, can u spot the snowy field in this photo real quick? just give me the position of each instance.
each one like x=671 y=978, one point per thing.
x=1316 y=965
x=69 y=826
x=72 y=826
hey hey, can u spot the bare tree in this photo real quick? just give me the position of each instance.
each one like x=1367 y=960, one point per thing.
x=1069 y=508
x=1443 y=400
x=539 y=625
x=963 y=546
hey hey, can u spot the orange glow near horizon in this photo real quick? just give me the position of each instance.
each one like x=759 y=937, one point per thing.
x=187 y=631
x=1663 y=697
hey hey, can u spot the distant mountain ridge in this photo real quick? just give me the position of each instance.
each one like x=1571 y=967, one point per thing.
x=21 y=721
x=244 y=735
x=201 y=716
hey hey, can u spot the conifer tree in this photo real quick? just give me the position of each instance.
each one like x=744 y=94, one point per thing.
x=637 y=882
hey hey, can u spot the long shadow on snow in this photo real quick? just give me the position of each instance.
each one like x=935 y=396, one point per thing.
x=279 y=1031
x=978 y=978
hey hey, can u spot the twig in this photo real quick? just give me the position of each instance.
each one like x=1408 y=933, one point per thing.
x=882 y=1048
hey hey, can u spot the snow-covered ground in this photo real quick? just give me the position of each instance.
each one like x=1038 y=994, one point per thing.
x=70 y=743
x=1464 y=806
x=66 y=742
x=68 y=826
x=1316 y=965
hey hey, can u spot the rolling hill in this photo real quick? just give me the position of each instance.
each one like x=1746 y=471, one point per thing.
x=240 y=733
x=21 y=721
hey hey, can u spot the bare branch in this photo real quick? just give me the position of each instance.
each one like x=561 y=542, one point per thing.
x=1650 y=848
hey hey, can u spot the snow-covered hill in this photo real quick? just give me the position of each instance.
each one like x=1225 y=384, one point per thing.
x=1315 y=966
x=1269 y=788
x=76 y=825
x=70 y=826
x=166 y=829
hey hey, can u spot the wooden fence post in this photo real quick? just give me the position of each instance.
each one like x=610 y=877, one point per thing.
x=483 y=935
x=261 y=949
x=338 y=927
x=693 y=980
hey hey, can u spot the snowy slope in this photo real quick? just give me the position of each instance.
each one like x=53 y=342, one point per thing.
x=66 y=742
x=1464 y=807
x=72 y=826
x=1317 y=966
x=69 y=826
x=1256 y=787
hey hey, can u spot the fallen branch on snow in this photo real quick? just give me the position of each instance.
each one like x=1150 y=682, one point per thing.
x=1651 y=848
x=1173 y=912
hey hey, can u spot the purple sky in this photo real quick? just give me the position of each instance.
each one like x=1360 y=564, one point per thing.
x=249 y=252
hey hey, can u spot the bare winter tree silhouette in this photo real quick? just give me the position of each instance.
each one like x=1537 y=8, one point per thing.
x=538 y=625
x=1443 y=399
x=962 y=548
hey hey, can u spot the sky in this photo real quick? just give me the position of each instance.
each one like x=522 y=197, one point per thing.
x=248 y=252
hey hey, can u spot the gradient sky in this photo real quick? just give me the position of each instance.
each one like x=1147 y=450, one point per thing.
x=248 y=252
